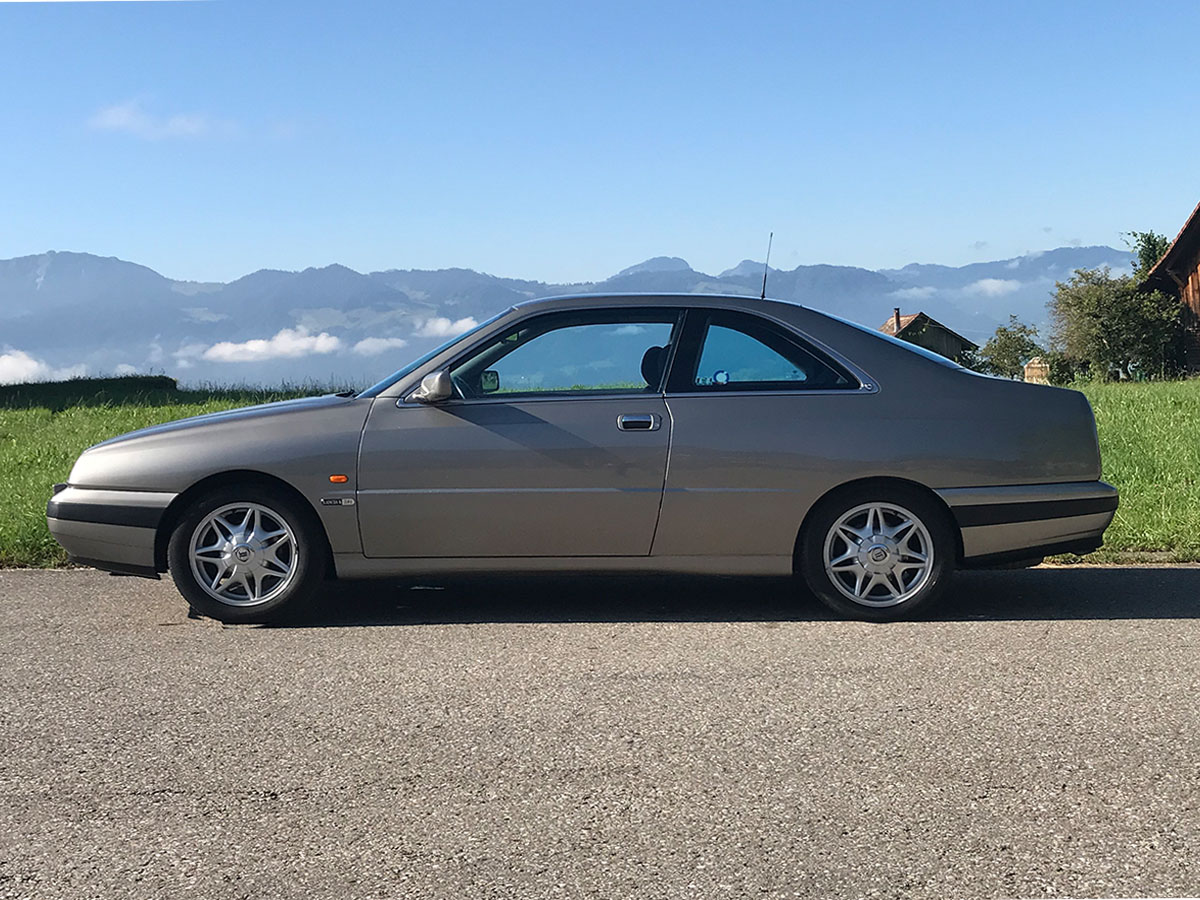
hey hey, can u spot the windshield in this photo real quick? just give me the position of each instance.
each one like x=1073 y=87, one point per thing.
x=912 y=348
x=420 y=361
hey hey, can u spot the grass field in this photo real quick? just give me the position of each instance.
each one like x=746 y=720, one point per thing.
x=1150 y=447
x=1149 y=439
x=43 y=428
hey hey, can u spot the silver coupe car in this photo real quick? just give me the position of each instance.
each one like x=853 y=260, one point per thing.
x=670 y=433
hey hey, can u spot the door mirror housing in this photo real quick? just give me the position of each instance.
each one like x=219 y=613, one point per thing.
x=435 y=388
x=489 y=381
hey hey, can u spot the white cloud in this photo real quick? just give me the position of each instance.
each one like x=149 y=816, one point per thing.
x=629 y=329
x=288 y=343
x=186 y=355
x=202 y=314
x=126 y=369
x=993 y=287
x=130 y=118
x=374 y=346
x=915 y=293
x=17 y=367
x=440 y=326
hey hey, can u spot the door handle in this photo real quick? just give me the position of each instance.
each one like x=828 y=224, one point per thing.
x=639 y=422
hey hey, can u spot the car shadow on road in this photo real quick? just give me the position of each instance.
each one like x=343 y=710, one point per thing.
x=1030 y=594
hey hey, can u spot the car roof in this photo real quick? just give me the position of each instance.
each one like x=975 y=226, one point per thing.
x=583 y=301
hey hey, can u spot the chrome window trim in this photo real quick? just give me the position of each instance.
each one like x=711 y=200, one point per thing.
x=539 y=398
x=864 y=389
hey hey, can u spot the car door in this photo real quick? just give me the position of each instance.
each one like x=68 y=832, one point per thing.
x=763 y=422
x=555 y=444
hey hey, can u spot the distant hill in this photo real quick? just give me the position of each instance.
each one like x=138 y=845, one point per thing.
x=656 y=264
x=62 y=313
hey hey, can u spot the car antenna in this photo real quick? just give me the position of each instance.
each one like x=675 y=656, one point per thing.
x=767 y=266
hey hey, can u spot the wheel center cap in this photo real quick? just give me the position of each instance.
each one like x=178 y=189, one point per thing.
x=242 y=554
x=878 y=555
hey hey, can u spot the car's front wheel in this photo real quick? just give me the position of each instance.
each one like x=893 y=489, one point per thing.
x=877 y=553
x=246 y=554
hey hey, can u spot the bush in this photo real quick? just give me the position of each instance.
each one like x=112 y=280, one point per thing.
x=1114 y=328
x=1007 y=351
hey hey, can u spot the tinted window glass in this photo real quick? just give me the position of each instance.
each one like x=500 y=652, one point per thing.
x=731 y=357
x=554 y=355
x=739 y=352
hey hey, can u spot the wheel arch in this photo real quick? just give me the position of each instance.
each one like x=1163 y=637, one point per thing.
x=175 y=510
x=880 y=482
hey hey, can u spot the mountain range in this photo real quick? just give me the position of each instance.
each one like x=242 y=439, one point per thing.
x=65 y=313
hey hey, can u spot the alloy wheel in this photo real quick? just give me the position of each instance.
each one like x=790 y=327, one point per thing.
x=243 y=554
x=878 y=554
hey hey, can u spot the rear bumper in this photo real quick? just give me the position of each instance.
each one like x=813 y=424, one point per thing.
x=110 y=530
x=1009 y=524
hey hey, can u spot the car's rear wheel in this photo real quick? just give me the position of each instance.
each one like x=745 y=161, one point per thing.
x=246 y=554
x=877 y=553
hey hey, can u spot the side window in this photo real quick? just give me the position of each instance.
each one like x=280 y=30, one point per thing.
x=602 y=351
x=728 y=356
x=739 y=352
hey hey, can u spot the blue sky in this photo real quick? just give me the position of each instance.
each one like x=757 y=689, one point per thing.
x=567 y=140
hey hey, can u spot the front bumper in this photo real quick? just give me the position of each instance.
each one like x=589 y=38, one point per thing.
x=1021 y=522
x=111 y=530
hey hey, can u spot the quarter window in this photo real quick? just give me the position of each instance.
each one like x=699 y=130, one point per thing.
x=733 y=357
x=740 y=352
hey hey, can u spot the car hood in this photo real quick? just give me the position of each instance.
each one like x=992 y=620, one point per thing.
x=261 y=411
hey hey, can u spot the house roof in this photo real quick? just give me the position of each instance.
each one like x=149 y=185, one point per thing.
x=889 y=327
x=1182 y=251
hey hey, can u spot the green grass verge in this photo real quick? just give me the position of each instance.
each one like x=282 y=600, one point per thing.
x=1150 y=447
x=38 y=444
x=1149 y=438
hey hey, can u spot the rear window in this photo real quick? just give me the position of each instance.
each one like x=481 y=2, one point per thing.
x=911 y=348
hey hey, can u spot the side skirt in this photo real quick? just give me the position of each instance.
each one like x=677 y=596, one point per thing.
x=353 y=565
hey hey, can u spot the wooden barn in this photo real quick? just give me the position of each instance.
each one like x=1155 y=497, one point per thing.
x=926 y=331
x=1178 y=273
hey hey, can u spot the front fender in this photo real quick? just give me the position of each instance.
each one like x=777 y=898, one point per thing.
x=302 y=446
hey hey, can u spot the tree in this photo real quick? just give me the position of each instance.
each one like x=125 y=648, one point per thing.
x=1007 y=351
x=1114 y=327
x=1148 y=248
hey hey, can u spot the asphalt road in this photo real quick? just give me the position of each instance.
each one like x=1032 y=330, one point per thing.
x=1039 y=736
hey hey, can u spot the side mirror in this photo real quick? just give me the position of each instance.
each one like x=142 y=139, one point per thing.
x=435 y=387
x=489 y=381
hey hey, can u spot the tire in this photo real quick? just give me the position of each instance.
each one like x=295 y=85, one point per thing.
x=861 y=552
x=261 y=555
